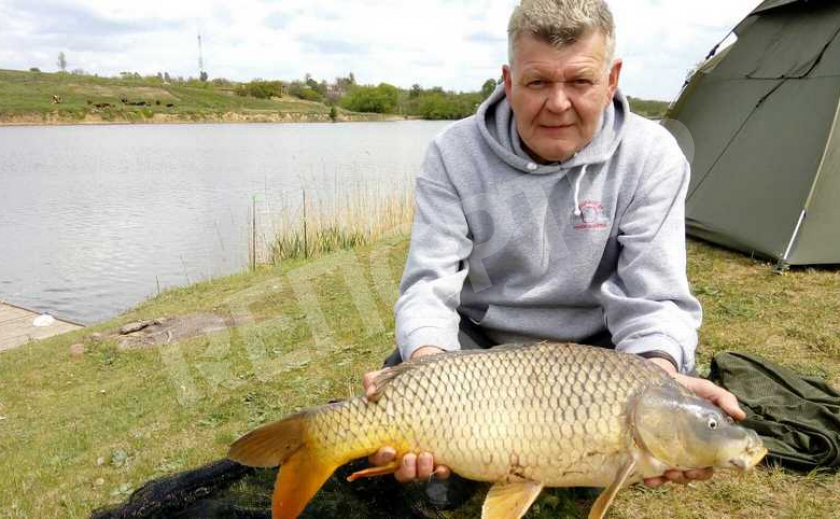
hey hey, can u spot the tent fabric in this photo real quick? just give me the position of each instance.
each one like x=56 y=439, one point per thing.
x=775 y=4
x=761 y=116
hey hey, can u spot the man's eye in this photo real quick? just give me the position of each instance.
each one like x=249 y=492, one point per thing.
x=582 y=82
x=536 y=83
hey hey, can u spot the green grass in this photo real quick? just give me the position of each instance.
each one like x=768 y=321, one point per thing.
x=31 y=93
x=652 y=109
x=79 y=433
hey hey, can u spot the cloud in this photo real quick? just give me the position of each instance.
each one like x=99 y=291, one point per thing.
x=456 y=44
x=59 y=19
x=276 y=21
x=320 y=45
x=487 y=37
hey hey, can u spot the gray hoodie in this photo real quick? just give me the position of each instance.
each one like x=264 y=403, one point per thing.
x=559 y=251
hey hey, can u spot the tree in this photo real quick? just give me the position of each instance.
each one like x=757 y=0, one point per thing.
x=34 y=69
x=166 y=77
x=381 y=99
x=415 y=91
x=488 y=88
x=62 y=61
x=203 y=77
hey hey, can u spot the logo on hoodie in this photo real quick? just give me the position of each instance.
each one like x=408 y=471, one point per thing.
x=592 y=216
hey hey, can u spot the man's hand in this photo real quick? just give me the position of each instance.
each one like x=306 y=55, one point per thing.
x=718 y=396
x=413 y=466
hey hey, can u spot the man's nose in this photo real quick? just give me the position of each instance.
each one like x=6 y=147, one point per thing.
x=558 y=99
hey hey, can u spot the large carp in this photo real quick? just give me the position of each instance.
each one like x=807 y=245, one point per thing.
x=522 y=417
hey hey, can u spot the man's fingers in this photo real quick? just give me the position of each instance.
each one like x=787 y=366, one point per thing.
x=383 y=456
x=425 y=465
x=654 y=482
x=676 y=476
x=729 y=403
x=699 y=474
x=408 y=469
x=716 y=394
x=442 y=472
x=368 y=382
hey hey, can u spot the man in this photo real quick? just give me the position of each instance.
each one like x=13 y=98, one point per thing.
x=553 y=213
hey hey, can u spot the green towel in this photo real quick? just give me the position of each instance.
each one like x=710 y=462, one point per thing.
x=797 y=417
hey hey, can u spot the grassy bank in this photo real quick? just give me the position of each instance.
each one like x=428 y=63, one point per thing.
x=80 y=432
x=27 y=98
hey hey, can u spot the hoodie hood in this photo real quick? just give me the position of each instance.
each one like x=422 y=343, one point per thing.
x=497 y=125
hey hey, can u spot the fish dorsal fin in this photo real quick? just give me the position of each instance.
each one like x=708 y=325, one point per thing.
x=599 y=509
x=510 y=500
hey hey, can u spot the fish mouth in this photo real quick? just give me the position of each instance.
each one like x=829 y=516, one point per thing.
x=749 y=458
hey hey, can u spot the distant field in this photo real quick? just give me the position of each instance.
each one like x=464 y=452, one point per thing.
x=28 y=93
x=649 y=108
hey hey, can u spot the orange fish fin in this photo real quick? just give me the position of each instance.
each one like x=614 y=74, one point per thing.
x=270 y=445
x=599 y=509
x=510 y=500
x=372 y=472
x=297 y=483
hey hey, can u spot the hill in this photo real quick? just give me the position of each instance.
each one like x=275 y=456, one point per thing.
x=60 y=98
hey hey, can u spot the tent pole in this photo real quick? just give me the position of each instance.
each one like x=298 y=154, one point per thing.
x=784 y=259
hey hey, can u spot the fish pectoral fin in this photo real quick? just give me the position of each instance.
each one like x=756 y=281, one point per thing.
x=599 y=509
x=510 y=500
x=373 y=472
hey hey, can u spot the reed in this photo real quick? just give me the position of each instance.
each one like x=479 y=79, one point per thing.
x=359 y=216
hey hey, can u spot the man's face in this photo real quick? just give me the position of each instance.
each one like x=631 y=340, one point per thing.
x=558 y=95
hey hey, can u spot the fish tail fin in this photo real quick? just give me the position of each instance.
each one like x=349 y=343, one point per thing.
x=271 y=444
x=299 y=479
x=305 y=466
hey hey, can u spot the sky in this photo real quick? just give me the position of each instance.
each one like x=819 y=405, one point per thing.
x=455 y=44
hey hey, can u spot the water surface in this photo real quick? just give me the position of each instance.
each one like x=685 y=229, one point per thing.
x=93 y=219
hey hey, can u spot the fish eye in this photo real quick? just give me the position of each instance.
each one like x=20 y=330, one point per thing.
x=712 y=423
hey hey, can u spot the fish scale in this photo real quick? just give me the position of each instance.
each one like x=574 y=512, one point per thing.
x=507 y=398
x=522 y=417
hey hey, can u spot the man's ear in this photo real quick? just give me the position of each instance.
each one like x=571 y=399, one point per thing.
x=615 y=73
x=507 y=75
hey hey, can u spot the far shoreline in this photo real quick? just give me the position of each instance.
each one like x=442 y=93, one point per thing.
x=92 y=119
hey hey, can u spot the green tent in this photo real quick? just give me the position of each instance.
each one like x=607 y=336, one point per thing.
x=762 y=125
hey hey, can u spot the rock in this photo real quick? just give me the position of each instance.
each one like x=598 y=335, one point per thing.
x=100 y=461
x=96 y=337
x=134 y=327
x=170 y=330
x=99 y=482
x=77 y=350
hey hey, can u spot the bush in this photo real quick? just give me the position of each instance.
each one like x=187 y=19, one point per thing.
x=438 y=105
x=382 y=99
x=260 y=89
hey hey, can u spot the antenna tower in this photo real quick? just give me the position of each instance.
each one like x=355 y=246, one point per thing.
x=200 y=56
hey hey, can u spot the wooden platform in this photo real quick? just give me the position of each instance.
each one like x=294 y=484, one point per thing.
x=17 y=328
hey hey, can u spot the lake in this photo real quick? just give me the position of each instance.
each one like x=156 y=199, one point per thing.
x=95 y=219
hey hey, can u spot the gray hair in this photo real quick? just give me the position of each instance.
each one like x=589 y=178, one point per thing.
x=562 y=22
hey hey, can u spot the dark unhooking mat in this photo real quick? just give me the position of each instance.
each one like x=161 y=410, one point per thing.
x=227 y=490
x=797 y=417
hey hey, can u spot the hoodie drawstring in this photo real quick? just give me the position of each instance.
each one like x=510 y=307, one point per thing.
x=577 y=190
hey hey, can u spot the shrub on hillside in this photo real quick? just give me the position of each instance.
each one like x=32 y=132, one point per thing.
x=382 y=99
x=261 y=89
